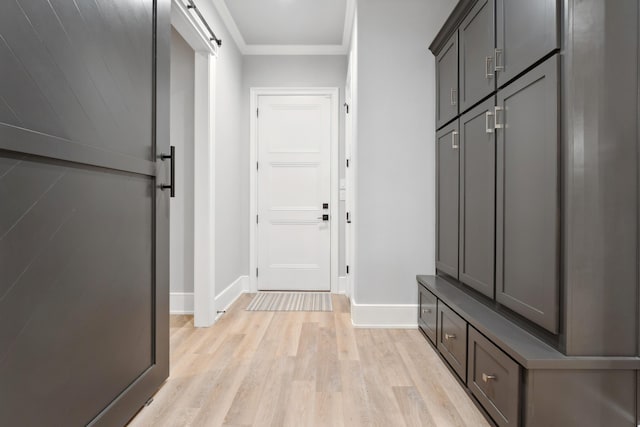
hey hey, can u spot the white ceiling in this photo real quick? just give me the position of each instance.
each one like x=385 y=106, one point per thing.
x=272 y=27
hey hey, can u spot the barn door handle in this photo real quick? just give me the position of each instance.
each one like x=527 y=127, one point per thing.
x=171 y=156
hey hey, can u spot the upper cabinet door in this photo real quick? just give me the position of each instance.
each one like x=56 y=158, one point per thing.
x=527 y=220
x=477 y=197
x=527 y=30
x=447 y=188
x=447 y=82
x=477 y=45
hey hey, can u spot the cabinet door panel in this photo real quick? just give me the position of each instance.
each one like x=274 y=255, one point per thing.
x=477 y=198
x=527 y=279
x=447 y=82
x=526 y=31
x=447 y=188
x=477 y=43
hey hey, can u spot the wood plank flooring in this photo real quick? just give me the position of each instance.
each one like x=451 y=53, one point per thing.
x=304 y=369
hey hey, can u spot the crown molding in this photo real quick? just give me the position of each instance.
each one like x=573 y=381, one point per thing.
x=295 y=49
x=254 y=49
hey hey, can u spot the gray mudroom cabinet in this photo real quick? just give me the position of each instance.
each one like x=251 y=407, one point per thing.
x=527 y=222
x=447 y=82
x=477 y=198
x=447 y=184
x=537 y=210
x=476 y=45
x=526 y=31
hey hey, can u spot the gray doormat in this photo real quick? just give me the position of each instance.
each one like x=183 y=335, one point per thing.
x=291 y=301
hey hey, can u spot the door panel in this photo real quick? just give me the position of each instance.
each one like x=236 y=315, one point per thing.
x=477 y=198
x=294 y=241
x=526 y=31
x=527 y=235
x=447 y=82
x=83 y=225
x=75 y=266
x=477 y=42
x=447 y=187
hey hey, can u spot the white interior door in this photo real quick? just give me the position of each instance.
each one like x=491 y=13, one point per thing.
x=294 y=188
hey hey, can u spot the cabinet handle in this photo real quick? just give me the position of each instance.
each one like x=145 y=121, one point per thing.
x=449 y=337
x=426 y=311
x=498 y=125
x=454 y=134
x=487 y=126
x=486 y=378
x=499 y=66
x=454 y=96
x=487 y=67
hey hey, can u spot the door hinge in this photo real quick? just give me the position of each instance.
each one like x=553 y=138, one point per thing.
x=256 y=219
x=346 y=107
x=347 y=269
x=257 y=112
x=256 y=271
x=257 y=165
x=347 y=162
x=348 y=217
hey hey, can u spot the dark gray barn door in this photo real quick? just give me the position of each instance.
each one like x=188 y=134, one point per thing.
x=83 y=224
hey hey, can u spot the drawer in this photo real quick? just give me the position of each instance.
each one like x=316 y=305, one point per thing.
x=452 y=339
x=428 y=314
x=494 y=379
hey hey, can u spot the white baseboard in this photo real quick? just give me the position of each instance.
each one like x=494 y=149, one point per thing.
x=181 y=303
x=392 y=316
x=231 y=293
x=342 y=285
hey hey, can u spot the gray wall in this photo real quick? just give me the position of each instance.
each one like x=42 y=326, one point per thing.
x=182 y=72
x=296 y=71
x=395 y=163
x=231 y=187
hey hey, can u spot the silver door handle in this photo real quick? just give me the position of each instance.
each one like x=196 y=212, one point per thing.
x=499 y=66
x=449 y=337
x=426 y=311
x=487 y=67
x=486 y=378
x=497 y=110
x=487 y=126
x=454 y=134
x=454 y=96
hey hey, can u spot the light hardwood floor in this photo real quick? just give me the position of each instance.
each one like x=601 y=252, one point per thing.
x=304 y=369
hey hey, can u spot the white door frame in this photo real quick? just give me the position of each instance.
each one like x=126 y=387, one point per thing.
x=188 y=25
x=334 y=224
x=348 y=178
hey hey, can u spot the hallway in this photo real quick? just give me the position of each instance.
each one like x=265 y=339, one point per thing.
x=304 y=368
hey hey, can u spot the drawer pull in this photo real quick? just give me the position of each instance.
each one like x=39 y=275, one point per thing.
x=449 y=337
x=426 y=311
x=486 y=378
